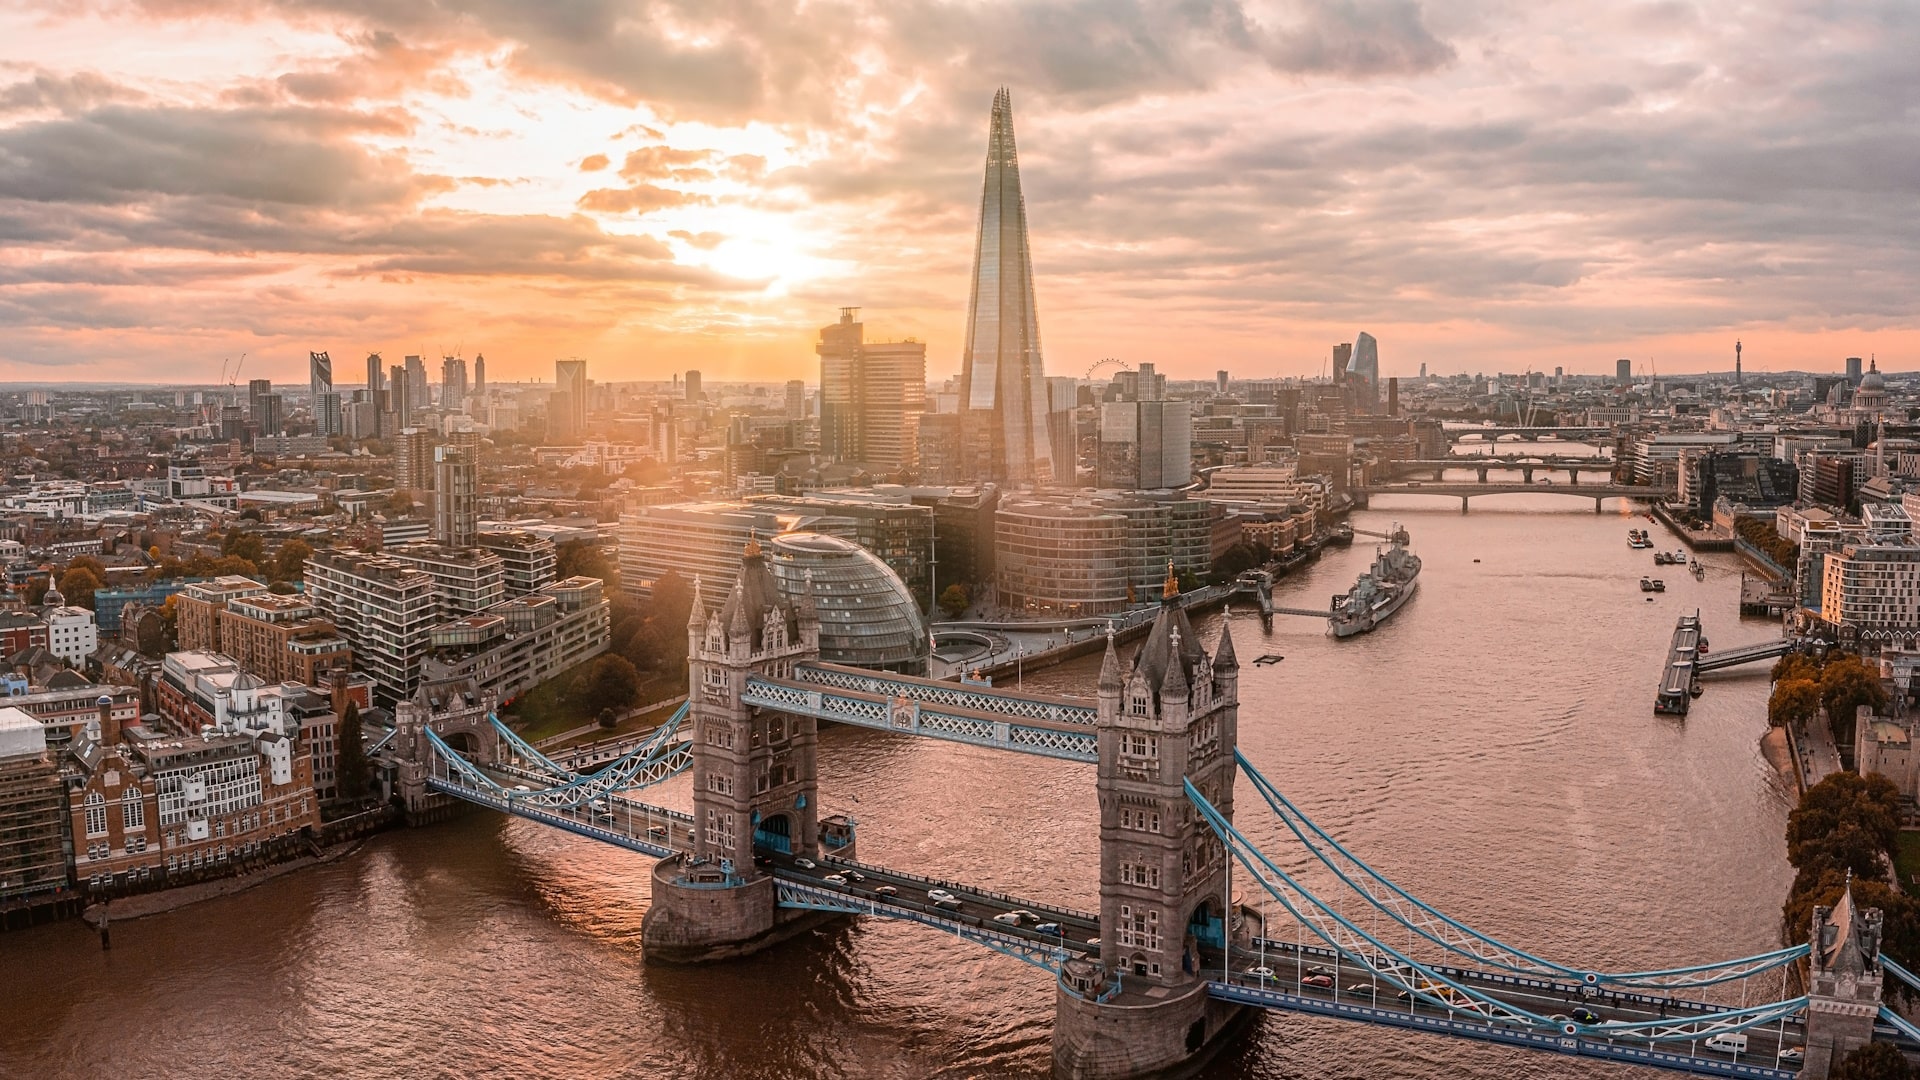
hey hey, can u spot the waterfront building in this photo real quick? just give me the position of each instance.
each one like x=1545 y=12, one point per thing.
x=1278 y=484
x=868 y=616
x=527 y=562
x=465 y=580
x=871 y=397
x=33 y=833
x=384 y=606
x=1003 y=393
x=72 y=634
x=1871 y=592
x=1886 y=523
x=225 y=795
x=70 y=712
x=1060 y=557
x=517 y=644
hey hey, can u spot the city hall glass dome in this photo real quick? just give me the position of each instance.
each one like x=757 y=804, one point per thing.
x=867 y=617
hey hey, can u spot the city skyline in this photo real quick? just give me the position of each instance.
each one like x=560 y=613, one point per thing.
x=1232 y=192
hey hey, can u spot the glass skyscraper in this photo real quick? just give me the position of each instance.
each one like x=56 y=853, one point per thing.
x=1003 y=387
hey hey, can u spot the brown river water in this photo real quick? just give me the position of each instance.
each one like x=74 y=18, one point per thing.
x=1493 y=748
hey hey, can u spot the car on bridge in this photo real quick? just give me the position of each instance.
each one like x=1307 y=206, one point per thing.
x=942 y=898
x=1793 y=1053
x=835 y=879
x=885 y=890
x=1263 y=973
x=1048 y=928
x=1321 y=982
x=1585 y=1015
x=1016 y=917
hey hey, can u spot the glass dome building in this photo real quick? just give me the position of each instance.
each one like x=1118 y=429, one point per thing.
x=867 y=617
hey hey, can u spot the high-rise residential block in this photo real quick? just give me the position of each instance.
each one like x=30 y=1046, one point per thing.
x=453 y=384
x=796 y=399
x=456 y=495
x=693 y=386
x=1003 y=394
x=1623 y=371
x=417 y=398
x=319 y=373
x=413 y=460
x=567 y=409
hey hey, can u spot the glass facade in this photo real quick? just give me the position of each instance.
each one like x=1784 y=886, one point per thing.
x=867 y=617
x=1002 y=382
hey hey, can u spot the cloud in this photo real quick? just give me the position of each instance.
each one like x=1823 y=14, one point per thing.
x=635 y=199
x=594 y=163
x=63 y=93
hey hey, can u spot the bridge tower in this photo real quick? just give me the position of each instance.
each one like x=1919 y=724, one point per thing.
x=754 y=776
x=1143 y=1009
x=1843 y=983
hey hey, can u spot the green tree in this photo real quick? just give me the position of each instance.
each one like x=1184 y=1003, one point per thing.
x=954 y=600
x=611 y=684
x=1793 y=702
x=291 y=563
x=78 y=585
x=281 y=588
x=244 y=545
x=1846 y=684
x=584 y=558
x=1874 y=1061
x=608 y=718
x=352 y=765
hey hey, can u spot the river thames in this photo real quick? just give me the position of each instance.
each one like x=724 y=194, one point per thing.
x=1493 y=748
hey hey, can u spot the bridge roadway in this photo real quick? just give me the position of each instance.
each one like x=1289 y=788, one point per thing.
x=628 y=823
x=1470 y=490
x=1380 y=1002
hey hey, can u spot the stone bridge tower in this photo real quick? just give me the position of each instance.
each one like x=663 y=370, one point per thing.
x=754 y=774
x=461 y=715
x=1844 y=980
x=1164 y=916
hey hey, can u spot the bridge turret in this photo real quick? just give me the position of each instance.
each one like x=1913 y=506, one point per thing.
x=1844 y=982
x=1163 y=874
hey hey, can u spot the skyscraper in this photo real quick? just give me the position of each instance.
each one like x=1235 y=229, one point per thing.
x=412 y=460
x=693 y=386
x=567 y=410
x=257 y=389
x=1623 y=371
x=871 y=396
x=453 y=384
x=1853 y=371
x=319 y=374
x=417 y=398
x=1363 y=372
x=1003 y=390
x=796 y=399
x=376 y=370
x=456 y=493
x=479 y=374
x=399 y=399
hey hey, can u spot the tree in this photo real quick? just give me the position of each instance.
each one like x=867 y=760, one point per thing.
x=401 y=501
x=611 y=684
x=228 y=564
x=583 y=558
x=954 y=600
x=608 y=718
x=78 y=585
x=291 y=564
x=1794 y=701
x=352 y=765
x=1795 y=666
x=244 y=545
x=281 y=588
x=1869 y=804
x=1846 y=684
x=1874 y=1061
x=88 y=562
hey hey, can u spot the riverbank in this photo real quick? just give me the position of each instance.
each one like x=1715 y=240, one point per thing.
x=1697 y=539
x=1777 y=746
x=141 y=905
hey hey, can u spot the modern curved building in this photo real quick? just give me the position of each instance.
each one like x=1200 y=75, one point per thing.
x=868 y=618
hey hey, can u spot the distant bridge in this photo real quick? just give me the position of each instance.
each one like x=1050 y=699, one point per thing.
x=1469 y=490
x=1527 y=467
x=1529 y=433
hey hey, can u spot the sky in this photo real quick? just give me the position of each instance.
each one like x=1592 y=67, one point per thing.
x=1484 y=185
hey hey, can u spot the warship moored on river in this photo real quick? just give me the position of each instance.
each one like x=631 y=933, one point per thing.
x=1380 y=591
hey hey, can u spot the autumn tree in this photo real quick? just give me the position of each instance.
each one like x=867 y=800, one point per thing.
x=954 y=600
x=1794 y=702
x=291 y=563
x=1874 y=1061
x=78 y=586
x=352 y=764
x=1846 y=684
x=611 y=683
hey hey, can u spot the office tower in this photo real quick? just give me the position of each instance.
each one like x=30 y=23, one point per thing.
x=257 y=389
x=1145 y=445
x=399 y=399
x=417 y=398
x=319 y=373
x=453 y=384
x=376 y=385
x=412 y=460
x=567 y=410
x=269 y=414
x=479 y=374
x=1363 y=373
x=1342 y=355
x=1623 y=371
x=871 y=396
x=1220 y=383
x=693 y=386
x=1853 y=371
x=456 y=495
x=796 y=399
x=327 y=415
x=1003 y=403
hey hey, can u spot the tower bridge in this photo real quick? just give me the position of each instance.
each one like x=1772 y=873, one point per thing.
x=1166 y=968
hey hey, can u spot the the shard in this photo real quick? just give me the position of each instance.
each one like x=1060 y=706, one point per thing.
x=1003 y=388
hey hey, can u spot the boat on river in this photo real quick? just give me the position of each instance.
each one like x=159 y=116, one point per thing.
x=1379 y=592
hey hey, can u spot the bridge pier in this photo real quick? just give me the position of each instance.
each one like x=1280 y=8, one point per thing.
x=1843 y=984
x=1597 y=500
x=1137 y=1038
x=1463 y=503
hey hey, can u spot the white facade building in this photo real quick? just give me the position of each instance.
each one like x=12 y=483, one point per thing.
x=1872 y=591
x=72 y=634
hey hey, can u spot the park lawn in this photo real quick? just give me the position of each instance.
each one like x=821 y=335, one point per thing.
x=1906 y=860
x=547 y=709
